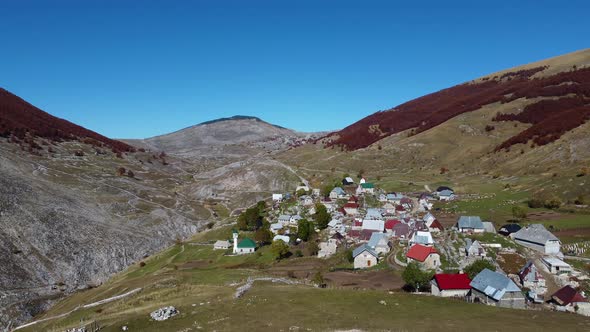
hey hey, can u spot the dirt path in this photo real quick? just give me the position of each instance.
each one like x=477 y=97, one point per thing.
x=85 y=306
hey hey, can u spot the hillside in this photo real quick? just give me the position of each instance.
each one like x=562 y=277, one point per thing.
x=20 y=121
x=557 y=102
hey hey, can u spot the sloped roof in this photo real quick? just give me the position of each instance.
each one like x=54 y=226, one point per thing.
x=247 y=243
x=470 y=222
x=394 y=196
x=222 y=243
x=284 y=217
x=493 y=284
x=367 y=185
x=378 y=225
x=567 y=295
x=446 y=193
x=423 y=237
x=351 y=205
x=535 y=233
x=362 y=249
x=401 y=229
x=389 y=224
x=436 y=224
x=447 y=281
x=509 y=228
x=529 y=272
x=374 y=213
x=338 y=191
x=375 y=238
x=283 y=238
x=420 y=253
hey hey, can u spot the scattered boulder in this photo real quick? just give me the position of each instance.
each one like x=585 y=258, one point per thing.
x=164 y=313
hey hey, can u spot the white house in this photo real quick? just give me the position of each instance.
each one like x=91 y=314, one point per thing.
x=426 y=257
x=538 y=238
x=474 y=248
x=277 y=197
x=364 y=257
x=530 y=277
x=284 y=219
x=556 y=265
x=221 y=245
x=338 y=193
x=470 y=224
x=379 y=242
x=450 y=285
x=246 y=246
x=446 y=195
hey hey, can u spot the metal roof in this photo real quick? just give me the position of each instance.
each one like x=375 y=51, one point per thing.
x=363 y=248
x=470 y=222
x=493 y=284
x=535 y=233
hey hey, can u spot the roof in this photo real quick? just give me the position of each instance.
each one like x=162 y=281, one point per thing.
x=349 y=179
x=351 y=205
x=276 y=226
x=567 y=295
x=284 y=217
x=362 y=249
x=554 y=261
x=283 y=238
x=447 y=281
x=337 y=236
x=389 y=224
x=493 y=284
x=338 y=191
x=446 y=193
x=422 y=237
x=535 y=233
x=489 y=227
x=376 y=237
x=529 y=272
x=406 y=200
x=374 y=212
x=470 y=222
x=509 y=228
x=394 y=196
x=378 y=225
x=367 y=185
x=247 y=243
x=401 y=229
x=334 y=223
x=222 y=243
x=436 y=224
x=420 y=253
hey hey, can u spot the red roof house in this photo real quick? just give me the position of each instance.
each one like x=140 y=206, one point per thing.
x=390 y=223
x=436 y=225
x=567 y=295
x=420 y=253
x=450 y=285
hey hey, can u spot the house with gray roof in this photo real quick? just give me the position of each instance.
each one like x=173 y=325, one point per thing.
x=470 y=224
x=474 y=248
x=364 y=257
x=337 y=193
x=537 y=237
x=496 y=289
x=284 y=219
x=379 y=242
x=446 y=195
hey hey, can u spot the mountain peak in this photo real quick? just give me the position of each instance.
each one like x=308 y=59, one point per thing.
x=238 y=117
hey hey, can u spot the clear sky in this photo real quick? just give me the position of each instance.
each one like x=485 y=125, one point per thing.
x=132 y=69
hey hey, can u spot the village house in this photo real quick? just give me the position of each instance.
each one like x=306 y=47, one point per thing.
x=347 y=181
x=435 y=226
x=474 y=248
x=389 y=224
x=395 y=198
x=329 y=204
x=421 y=237
x=450 y=285
x=374 y=213
x=400 y=230
x=294 y=219
x=379 y=242
x=277 y=197
x=569 y=298
x=351 y=209
x=426 y=257
x=488 y=227
x=328 y=248
x=338 y=193
x=494 y=288
x=306 y=200
x=556 y=265
x=221 y=245
x=276 y=227
x=446 y=195
x=374 y=225
x=365 y=188
x=508 y=229
x=389 y=208
x=470 y=224
x=316 y=192
x=407 y=203
x=364 y=257
x=530 y=277
x=284 y=219
x=538 y=238
x=283 y=238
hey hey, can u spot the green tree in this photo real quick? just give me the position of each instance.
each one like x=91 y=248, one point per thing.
x=415 y=278
x=279 y=249
x=326 y=190
x=479 y=265
x=321 y=216
x=301 y=192
x=304 y=229
x=518 y=212
x=554 y=203
x=263 y=236
x=251 y=219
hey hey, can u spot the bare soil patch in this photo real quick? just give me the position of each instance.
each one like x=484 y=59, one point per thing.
x=378 y=280
x=544 y=215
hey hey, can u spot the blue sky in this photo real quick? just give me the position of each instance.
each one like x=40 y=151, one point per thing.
x=137 y=69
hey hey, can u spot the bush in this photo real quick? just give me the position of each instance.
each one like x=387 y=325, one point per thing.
x=552 y=204
x=518 y=212
x=476 y=267
x=141 y=264
x=415 y=278
x=535 y=203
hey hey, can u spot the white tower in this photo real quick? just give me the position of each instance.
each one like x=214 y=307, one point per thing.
x=235 y=235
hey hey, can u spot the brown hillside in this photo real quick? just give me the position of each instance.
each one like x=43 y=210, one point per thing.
x=20 y=119
x=431 y=110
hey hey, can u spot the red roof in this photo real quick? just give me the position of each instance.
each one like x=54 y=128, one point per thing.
x=420 y=253
x=447 y=281
x=358 y=223
x=567 y=295
x=351 y=205
x=437 y=224
x=399 y=208
x=390 y=223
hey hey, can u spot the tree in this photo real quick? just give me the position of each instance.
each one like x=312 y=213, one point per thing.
x=279 y=249
x=304 y=229
x=300 y=192
x=321 y=216
x=250 y=219
x=479 y=265
x=263 y=236
x=415 y=278
x=518 y=212
x=326 y=190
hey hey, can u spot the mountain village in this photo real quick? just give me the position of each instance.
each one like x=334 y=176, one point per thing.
x=512 y=265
